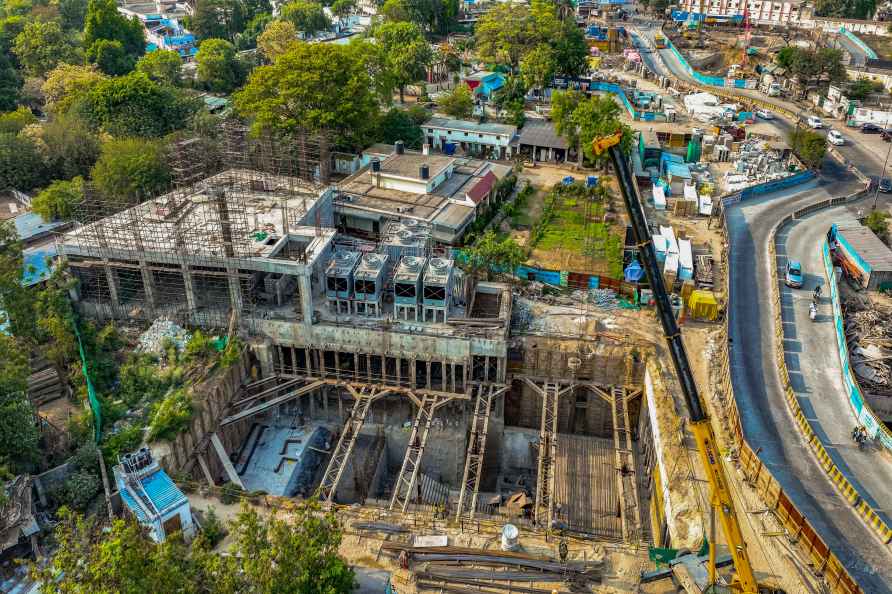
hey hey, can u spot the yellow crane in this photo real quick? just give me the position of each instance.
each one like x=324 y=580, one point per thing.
x=744 y=578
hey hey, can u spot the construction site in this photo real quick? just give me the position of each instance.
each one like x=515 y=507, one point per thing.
x=377 y=373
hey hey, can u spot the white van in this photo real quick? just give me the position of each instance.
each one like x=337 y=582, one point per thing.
x=814 y=122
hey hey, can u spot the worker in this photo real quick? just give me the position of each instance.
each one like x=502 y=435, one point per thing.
x=563 y=551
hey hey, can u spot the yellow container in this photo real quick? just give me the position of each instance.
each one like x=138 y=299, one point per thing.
x=703 y=305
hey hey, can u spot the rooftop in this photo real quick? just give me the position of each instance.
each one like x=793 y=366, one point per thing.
x=408 y=165
x=342 y=263
x=257 y=206
x=541 y=133
x=410 y=269
x=468 y=126
x=871 y=249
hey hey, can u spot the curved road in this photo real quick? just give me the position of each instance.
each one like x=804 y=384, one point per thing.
x=764 y=413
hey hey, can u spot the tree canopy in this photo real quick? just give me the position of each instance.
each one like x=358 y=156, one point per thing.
x=538 y=66
x=809 y=146
x=58 y=200
x=806 y=63
x=276 y=39
x=459 y=102
x=134 y=105
x=268 y=556
x=104 y=22
x=219 y=69
x=162 y=66
x=407 y=54
x=317 y=86
x=68 y=84
x=43 y=45
x=847 y=9
x=130 y=170
x=306 y=16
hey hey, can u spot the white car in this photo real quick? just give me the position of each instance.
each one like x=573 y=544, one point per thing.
x=814 y=122
x=835 y=138
x=765 y=114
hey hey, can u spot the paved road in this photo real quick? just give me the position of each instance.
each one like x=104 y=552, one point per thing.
x=765 y=416
x=813 y=362
x=767 y=422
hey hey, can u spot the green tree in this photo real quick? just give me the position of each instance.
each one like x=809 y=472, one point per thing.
x=10 y=84
x=538 y=66
x=13 y=122
x=130 y=170
x=73 y=14
x=395 y=11
x=297 y=90
x=847 y=9
x=459 y=102
x=110 y=57
x=59 y=199
x=133 y=105
x=219 y=69
x=570 y=50
x=248 y=38
x=397 y=124
x=515 y=113
x=809 y=146
x=504 y=34
x=41 y=46
x=276 y=39
x=162 y=66
x=69 y=148
x=597 y=117
x=490 y=254
x=21 y=164
x=306 y=16
x=876 y=221
x=512 y=91
x=223 y=19
x=563 y=106
x=18 y=431
x=406 y=52
x=67 y=85
x=103 y=21
x=343 y=8
x=860 y=89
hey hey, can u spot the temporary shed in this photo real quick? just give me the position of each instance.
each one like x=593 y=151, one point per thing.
x=703 y=305
x=685 y=260
x=678 y=175
x=864 y=253
x=659 y=197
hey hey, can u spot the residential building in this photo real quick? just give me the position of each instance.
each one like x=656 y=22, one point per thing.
x=435 y=190
x=163 y=28
x=484 y=83
x=152 y=497
x=768 y=12
x=539 y=141
x=487 y=139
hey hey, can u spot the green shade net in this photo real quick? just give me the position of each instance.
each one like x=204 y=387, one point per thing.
x=91 y=391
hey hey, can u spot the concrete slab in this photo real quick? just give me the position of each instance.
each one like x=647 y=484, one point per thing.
x=278 y=454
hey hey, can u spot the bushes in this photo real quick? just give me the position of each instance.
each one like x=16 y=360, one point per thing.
x=213 y=529
x=171 y=416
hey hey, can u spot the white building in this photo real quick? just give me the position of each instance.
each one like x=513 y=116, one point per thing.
x=152 y=497
x=484 y=139
x=785 y=12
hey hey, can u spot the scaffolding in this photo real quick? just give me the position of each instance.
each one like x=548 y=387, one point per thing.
x=183 y=252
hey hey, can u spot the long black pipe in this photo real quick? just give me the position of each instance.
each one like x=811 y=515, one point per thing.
x=648 y=255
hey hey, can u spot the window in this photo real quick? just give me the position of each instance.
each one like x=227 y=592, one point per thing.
x=404 y=290
x=480 y=135
x=466 y=133
x=435 y=293
x=364 y=286
x=334 y=283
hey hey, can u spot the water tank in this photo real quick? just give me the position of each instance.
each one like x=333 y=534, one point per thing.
x=509 y=537
x=399 y=148
x=376 y=165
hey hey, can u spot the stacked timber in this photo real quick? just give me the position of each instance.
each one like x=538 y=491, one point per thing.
x=44 y=384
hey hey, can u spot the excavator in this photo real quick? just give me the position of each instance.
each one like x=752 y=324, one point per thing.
x=744 y=580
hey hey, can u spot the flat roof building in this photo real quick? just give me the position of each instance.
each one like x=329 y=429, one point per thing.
x=484 y=139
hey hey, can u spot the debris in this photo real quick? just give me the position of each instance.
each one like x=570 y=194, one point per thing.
x=159 y=333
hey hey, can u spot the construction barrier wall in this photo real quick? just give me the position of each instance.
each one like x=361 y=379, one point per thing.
x=875 y=428
x=871 y=55
x=767 y=187
x=711 y=81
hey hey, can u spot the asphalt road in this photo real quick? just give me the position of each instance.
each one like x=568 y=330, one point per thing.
x=765 y=416
x=767 y=422
x=813 y=362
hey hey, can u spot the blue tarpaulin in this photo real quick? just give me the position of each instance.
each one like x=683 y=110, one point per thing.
x=36 y=264
x=633 y=272
x=568 y=181
x=31 y=225
x=591 y=181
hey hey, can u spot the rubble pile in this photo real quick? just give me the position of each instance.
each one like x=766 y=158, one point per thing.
x=869 y=339
x=159 y=333
x=758 y=161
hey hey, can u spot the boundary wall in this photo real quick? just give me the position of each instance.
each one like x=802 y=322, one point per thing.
x=875 y=428
x=711 y=81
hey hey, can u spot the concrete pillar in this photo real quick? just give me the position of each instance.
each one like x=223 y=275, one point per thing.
x=486 y=368
x=412 y=369
x=356 y=366
x=235 y=290
x=337 y=359
x=399 y=371
x=191 y=302
x=308 y=361
x=427 y=378
x=306 y=296
x=443 y=375
x=148 y=284
x=112 y=280
x=264 y=352
x=368 y=367
x=452 y=373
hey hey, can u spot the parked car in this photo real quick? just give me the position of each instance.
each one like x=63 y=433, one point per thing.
x=814 y=122
x=885 y=185
x=793 y=276
x=869 y=128
x=764 y=114
x=835 y=138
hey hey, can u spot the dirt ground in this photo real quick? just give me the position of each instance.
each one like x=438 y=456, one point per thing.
x=59 y=411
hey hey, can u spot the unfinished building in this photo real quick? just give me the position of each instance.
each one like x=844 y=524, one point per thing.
x=384 y=375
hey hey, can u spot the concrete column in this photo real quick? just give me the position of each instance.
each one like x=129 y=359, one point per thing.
x=500 y=369
x=112 y=280
x=325 y=400
x=399 y=371
x=368 y=367
x=412 y=370
x=356 y=366
x=306 y=296
x=383 y=369
x=452 y=373
x=486 y=368
x=235 y=290
x=309 y=361
x=443 y=375
x=337 y=359
x=148 y=284
x=427 y=379
x=264 y=352
x=191 y=302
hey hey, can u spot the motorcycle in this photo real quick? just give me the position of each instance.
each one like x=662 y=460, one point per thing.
x=812 y=312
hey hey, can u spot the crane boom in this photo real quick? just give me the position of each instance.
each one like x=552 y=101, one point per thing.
x=700 y=425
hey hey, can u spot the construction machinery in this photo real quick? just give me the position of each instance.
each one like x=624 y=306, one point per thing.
x=744 y=578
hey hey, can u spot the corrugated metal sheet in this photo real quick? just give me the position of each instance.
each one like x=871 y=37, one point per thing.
x=868 y=246
x=134 y=507
x=162 y=491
